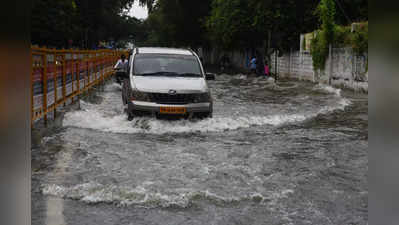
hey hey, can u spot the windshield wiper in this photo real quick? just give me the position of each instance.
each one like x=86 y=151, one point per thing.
x=189 y=75
x=158 y=74
x=172 y=74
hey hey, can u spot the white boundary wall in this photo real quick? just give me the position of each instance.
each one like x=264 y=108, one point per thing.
x=344 y=68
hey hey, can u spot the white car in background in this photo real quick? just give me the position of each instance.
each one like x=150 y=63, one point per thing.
x=167 y=82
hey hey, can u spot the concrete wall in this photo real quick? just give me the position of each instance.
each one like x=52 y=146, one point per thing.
x=343 y=68
x=237 y=58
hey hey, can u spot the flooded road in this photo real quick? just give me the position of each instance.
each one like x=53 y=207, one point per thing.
x=291 y=153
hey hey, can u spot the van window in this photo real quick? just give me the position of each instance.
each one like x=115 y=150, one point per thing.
x=166 y=65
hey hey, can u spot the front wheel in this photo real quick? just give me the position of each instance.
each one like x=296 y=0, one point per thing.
x=123 y=98
x=130 y=112
x=125 y=92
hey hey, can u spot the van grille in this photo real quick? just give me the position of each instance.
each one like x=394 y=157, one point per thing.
x=176 y=99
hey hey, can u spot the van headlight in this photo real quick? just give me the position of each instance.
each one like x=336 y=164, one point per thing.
x=140 y=96
x=203 y=97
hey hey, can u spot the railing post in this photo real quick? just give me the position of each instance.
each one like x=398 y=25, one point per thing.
x=101 y=67
x=78 y=75
x=55 y=73
x=78 y=62
x=45 y=88
x=63 y=78
x=73 y=72
x=96 y=67
x=31 y=88
x=87 y=72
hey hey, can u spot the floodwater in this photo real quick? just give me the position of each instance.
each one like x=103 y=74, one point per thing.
x=291 y=153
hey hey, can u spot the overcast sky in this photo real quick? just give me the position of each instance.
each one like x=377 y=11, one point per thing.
x=138 y=11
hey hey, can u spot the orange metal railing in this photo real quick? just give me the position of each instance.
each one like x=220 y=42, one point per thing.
x=59 y=76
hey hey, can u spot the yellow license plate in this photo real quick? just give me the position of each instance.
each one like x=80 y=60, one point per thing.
x=173 y=110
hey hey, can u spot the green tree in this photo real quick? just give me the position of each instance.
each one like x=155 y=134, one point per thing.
x=52 y=22
x=325 y=37
x=178 y=23
x=349 y=11
x=86 y=22
x=231 y=24
x=250 y=23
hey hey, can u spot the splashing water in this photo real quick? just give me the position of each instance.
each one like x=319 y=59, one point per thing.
x=328 y=89
x=93 y=193
x=285 y=153
x=109 y=116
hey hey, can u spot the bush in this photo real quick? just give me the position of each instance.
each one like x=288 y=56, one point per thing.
x=357 y=40
x=319 y=51
x=360 y=39
x=342 y=36
x=320 y=44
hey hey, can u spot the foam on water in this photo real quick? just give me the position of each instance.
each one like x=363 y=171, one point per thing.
x=328 y=89
x=93 y=118
x=93 y=193
x=113 y=87
x=109 y=117
x=341 y=105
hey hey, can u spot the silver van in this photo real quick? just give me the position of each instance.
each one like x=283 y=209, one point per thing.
x=167 y=82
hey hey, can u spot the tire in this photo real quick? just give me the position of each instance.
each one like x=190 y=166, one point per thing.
x=125 y=89
x=130 y=112
x=210 y=113
x=130 y=117
x=123 y=98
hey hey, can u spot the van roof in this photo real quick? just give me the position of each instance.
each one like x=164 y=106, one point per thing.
x=153 y=50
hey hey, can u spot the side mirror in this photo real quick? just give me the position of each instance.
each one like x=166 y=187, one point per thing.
x=210 y=76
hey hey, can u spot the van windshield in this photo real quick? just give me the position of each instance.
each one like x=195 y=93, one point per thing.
x=166 y=65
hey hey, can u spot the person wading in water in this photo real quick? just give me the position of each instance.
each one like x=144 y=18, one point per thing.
x=252 y=65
